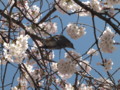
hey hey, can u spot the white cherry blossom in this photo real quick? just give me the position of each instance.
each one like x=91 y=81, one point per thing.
x=112 y=2
x=104 y=84
x=54 y=66
x=92 y=52
x=33 y=13
x=66 y=68
x=15 y=52
x=49 y=27
x=73 y=56
x=106 y=41
x=75 y=31
x=108 y=64
x=84 y=67
x=68 y=86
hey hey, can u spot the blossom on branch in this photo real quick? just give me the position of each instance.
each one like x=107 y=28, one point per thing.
x=106 y=41
x=33 y=13
x=103 y=84
x=92 y=52
x=49 y=27
x=74 y=31
x=112 y=2
x=64 y=5
x=66 y=68
x=15 y=51
x=84 y=67
x=108 y=64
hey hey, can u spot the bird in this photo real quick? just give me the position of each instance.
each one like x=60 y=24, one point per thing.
x=53 y=42
x=57 y=42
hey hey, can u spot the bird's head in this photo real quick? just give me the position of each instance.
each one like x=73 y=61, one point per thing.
x=63 y=40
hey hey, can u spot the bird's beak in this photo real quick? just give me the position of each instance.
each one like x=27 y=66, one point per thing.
x=73 y=47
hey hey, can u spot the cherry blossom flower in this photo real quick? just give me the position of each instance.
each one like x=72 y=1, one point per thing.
x=112 y=2
x=63 y=5
x=68 y=86
x=22 y=84
x=103 y=84
x=106 y=41
x=23 y=4
x=79 y=10
x=33 y=13
x=66 y=68
x=73 y=56
x=48 y=27
x=34 y=73
x=57 y=81
x=3 y=61
x=96 y=5
x=85 y=87
x=54 y=66
x=28 y=67
x=15 y=52
x=92 y=52
x=74 y=31
x=84 y=67
x=45 y=29
x=111 y=12
x=108 y=64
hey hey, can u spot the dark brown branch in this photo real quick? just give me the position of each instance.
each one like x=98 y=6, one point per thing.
x=47 y=15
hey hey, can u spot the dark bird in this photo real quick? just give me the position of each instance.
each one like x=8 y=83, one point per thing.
x=57 y=42
x=53 y=42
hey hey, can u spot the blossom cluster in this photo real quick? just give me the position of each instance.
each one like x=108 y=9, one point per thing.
x=72 y=63
x=96 y=5
x=34 y=74
x=99 y=83
x=23 y=4
x=112 y=2
x=64 y=6
x=74 y=31
x=33 y=13
x=12 y=25
x=106 y=41
x=84 y=67
x=30 y=75
x=47 y=28
x=66 y=68
x=44 y=29
x=16 y=50
x=103 y=84
x=108 y=64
